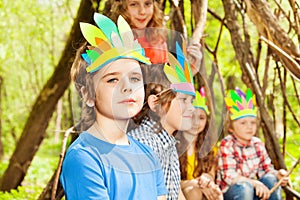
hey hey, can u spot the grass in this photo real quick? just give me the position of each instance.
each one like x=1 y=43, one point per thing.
x=38 y=175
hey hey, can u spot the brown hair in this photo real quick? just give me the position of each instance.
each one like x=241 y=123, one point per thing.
x=154 y=31
x=82 y=79
x=163 y=101
x=202 y=164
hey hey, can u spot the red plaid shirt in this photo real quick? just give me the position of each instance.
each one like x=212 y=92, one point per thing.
x=234 y=159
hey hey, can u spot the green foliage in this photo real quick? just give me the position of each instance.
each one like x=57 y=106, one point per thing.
x=40 y=171
x=32 y=39
x=293 y=153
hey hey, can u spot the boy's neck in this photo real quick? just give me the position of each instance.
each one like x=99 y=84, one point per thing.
x=111 y=131
x=167 y=128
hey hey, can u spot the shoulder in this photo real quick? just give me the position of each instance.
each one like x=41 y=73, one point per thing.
x=257 y=140
x=227 y=141
x=142 y=132
x=79 y=154
x=258 y=144
x=140 y=145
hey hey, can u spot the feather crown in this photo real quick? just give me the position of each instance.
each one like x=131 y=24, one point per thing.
x=179 y=71
x=240 y=104
x=110 y=42
x=200 y=100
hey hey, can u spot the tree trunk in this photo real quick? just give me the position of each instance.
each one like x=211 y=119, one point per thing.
x=1 y=143
x=35 y=128
x=268 y=26
x=59 y=111
x=245 y=59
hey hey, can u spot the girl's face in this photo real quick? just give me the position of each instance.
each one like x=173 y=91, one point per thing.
x=119 y=89
x=199 y=121
x=179 y=115
x=244 y=129
x=140 y=12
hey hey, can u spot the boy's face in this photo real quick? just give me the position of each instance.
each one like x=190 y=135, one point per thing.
x=140 y=12
x=244 y=129
x=179 y=115
x=198 y=121
x=119 y=89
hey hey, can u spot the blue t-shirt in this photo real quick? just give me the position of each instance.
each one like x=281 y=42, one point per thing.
x=95 y=169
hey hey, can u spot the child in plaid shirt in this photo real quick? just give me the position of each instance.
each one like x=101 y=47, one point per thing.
x=167 y=110
x=242 y=157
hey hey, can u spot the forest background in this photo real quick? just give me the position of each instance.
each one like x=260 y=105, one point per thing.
x=244 y=43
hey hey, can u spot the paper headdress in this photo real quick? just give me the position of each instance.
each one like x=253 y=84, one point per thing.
x=200 y=100
x=180 y=73
x=240 y=104
x=110 y=42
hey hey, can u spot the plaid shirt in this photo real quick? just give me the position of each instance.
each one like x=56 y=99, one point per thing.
x=163 y=145
x=234 y=159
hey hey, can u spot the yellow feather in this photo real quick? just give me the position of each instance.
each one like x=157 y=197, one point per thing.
x=171 y=74
x=91 y=32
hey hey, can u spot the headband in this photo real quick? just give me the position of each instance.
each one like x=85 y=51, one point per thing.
x=201 y=101
x=179 y=72
x=110 y=42
x=240 y=104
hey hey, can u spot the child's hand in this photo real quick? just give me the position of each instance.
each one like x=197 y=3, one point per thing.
x=281 y=175
x=213 y=192
x=261 y=190
x=205 y=180
x=194 y=56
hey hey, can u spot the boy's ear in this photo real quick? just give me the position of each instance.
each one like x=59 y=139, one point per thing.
x=151 y=102
x=89 y=102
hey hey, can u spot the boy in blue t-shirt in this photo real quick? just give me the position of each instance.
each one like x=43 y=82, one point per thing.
x=103 y=162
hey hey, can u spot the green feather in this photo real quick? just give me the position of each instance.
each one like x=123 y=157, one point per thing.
x=235 y=97
x=180 y=74
x=236 y=108
x=93 y=55
x=248 y=95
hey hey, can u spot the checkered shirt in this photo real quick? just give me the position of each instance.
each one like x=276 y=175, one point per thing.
x=164 y=145
x=234 y=159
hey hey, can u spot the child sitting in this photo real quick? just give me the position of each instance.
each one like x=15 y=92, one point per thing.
x=245 y=171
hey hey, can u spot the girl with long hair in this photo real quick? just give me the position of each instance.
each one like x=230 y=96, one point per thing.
x=198 y=170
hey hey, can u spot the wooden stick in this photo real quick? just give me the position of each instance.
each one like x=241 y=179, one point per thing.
x=62 y=155
x=286 y=55
x=280 y=181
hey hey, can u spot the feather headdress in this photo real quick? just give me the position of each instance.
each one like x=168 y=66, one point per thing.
x=200 y=100
x=179 y=72
x=110 y=42
x=240 y=104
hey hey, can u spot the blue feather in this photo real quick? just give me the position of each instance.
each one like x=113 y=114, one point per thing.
x=180 y=55
x=106 y=25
